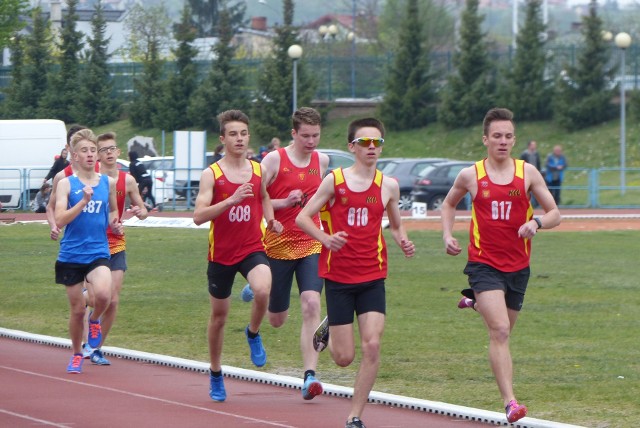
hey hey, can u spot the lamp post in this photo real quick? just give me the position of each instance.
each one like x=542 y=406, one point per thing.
x=622 y=41
x=353 y=50
x=328 y=34
x=295 y=52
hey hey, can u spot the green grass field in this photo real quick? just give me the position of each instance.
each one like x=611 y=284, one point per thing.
x=575 y=347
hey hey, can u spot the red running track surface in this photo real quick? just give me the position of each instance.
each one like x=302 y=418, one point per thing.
x=37 y=391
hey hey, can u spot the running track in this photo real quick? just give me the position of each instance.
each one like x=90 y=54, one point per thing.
x=148 y=390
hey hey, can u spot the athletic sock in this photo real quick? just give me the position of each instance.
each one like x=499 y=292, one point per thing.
x=308 y=373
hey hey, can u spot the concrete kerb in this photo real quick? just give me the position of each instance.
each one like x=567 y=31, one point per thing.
x=462 y=412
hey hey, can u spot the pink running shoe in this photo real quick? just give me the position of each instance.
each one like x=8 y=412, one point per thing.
x=515 y=411
x=466 y=302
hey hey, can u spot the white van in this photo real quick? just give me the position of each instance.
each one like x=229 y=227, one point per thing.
x=28 y=150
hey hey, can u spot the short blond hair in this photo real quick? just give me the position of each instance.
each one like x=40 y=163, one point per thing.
x=83 y=134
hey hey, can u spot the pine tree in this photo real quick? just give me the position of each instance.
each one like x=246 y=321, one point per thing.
x=11 y=108
x=63 y=82
x=272 y=108
x=582 y=96
x=207 y=13
x=10 y=19
x=222 y=88
x=96 y=103
x=526 y=90
x=409 y=100
x=29 y=94
x=178 y=88
x=470 y=89
x=147 y=87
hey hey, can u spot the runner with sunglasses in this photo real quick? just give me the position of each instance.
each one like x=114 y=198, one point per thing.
x=353 y=259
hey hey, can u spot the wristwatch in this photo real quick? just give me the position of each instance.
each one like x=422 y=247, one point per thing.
x=538 y=222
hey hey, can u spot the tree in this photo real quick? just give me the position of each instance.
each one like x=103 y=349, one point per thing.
x=178 y=88
x=36 y=66
x=63 y=83
x=274 y=98
x=583 y=94
x=527 y=92
x=206 y=15
x=147 y=88
x=147 y=26
x=10 y=22
x=12 y=106
x=222 y=88
x=410 y=98
x=435 y=19
x=470 y=89
x=149 y=35
x=96 y=103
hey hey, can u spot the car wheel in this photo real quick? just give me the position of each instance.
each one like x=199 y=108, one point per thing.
x=436 y=202
x=405 y=202
x=191 y=199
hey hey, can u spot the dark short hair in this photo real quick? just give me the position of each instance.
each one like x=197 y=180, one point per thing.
x=107 y=136
x=231 y=116
x=133 y=155
x=305 y=116
x=72 y=130
x=495 y=115
x=367 y=122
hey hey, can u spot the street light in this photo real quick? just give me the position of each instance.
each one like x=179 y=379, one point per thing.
x=622 y=41
x=295 y=52
x=328 y=34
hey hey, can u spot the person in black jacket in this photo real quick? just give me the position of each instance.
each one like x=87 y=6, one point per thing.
x=59 y=164
x=142 y=176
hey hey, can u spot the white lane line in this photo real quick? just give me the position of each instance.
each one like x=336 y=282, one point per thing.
x=147 y=397
x=29 y=418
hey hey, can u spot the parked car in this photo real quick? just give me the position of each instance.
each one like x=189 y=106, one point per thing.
x=338 y=158
x=405 y=171
x=189 y=190
x=161 y=168
x=434 y=183
x=382 y=162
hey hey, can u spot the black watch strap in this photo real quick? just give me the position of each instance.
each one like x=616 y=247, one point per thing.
x=538 y=222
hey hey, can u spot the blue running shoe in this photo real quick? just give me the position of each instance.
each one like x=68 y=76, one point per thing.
x=98 y=359
x=247 y=293
x=216 y=388
x=311 y=388
x=95 y=333
x=86 y=351
x=75 y=364
x=258 y=354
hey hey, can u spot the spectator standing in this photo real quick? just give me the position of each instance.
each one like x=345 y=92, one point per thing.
x=59 y=164
x=142 y=176
x=531 y=155
x=555 y=165
x=218 y=153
